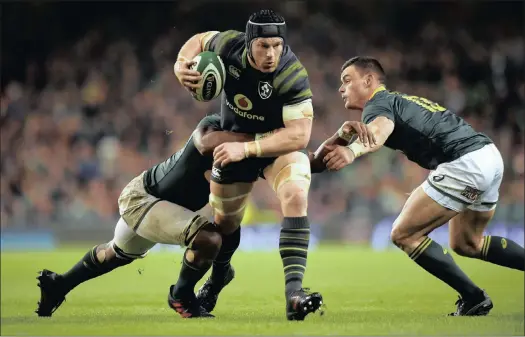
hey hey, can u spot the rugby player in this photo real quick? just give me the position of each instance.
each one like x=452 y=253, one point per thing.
x=462 y=188
x=267 y=91
x=157 y=207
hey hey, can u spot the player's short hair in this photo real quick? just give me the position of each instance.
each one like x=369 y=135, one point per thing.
x=266 y=16
x=367 y=63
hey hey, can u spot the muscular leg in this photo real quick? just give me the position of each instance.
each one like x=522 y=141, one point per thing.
x=228 y=202
x=169 y=223
x=97 y=261
x=420 y=216
x=466 y=239
x=289 y=176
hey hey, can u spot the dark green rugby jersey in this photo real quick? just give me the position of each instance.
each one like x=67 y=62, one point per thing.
x=180 y=178
x=427 y=133
x=252 y=101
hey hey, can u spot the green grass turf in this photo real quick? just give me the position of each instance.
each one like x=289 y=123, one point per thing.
x=366 y=293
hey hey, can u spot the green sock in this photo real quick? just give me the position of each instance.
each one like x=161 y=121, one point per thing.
x=293 y=247
x=503 y=252
x=438 y=262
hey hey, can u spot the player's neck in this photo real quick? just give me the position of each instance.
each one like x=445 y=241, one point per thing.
x=377 y=88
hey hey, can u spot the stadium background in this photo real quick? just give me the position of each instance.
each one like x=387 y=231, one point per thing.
x=89 y=100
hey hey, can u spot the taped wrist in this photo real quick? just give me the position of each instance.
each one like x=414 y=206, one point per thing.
x=252 y=149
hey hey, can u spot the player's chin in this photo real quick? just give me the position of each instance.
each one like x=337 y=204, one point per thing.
x=267 y=70
x=350 y=106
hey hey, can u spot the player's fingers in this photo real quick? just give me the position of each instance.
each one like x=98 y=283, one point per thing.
x=371 y=136
x=329 y=156
x=217 y=162
x=340 y=165
x=189 y=72
x=226 y=161
x=217 y=150
x=220 y=156
x=191 y=78
x=363 y=134
x=192 y=85
x=331 y=162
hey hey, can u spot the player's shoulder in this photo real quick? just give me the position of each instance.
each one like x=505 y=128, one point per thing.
x=380 y=104
x=290 y=73
x=382 y=98
x=223 y=42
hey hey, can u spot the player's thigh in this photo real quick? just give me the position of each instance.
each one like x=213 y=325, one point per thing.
x=467 y=228
x=420 y=215
x=229 y=199
x=469 y=182
x=169 y=223
x=128 y=243
x=289 y=172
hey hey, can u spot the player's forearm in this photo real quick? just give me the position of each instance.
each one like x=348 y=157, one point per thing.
x=207 y=142
x=278 y=143
x=191 y=48
x=380 y=135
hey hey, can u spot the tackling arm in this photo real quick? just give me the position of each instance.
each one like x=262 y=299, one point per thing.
x=206 y=139
x=381 y=127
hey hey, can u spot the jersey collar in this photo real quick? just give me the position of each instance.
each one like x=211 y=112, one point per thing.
x=378 y=89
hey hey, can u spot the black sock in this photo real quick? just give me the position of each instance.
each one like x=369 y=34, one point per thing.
x=293 y=247
x=189 y=275
x=230 y=243
x=503 y=252
x=90 y=267
x=438 y=262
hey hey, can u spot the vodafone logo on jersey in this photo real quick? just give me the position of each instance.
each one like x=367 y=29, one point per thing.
x=243 y=102
x=242 y=106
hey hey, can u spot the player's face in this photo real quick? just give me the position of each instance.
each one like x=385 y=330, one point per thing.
x=354 y=88
x=266 y=52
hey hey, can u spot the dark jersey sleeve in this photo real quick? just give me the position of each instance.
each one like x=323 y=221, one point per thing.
x=376 y=109
x=210 y=122
x=222 y=42
x=292 y=83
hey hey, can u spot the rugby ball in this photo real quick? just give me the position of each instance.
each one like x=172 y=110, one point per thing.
x=213 y=73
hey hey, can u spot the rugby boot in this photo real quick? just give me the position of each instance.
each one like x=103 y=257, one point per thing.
x=301 y=303
x=475 y=307
x=52 y=293
x=209 y=292
x=187 y=307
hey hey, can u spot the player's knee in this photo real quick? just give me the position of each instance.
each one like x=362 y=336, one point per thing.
x=110 y=256
x=466 y=247
x=294 y=198
x=400 y=237
x=208 y=242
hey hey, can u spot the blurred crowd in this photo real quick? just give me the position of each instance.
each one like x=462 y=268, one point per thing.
x=109 y=109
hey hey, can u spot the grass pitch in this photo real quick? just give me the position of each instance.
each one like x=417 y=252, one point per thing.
x=366 y=293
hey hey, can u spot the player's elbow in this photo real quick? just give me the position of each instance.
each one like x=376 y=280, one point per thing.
x=201 y=144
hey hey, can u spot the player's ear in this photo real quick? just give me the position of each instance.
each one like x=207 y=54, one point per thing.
x=368 y=80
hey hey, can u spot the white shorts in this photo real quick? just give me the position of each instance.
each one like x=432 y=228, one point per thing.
x=470 y=182
x=146 y=220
